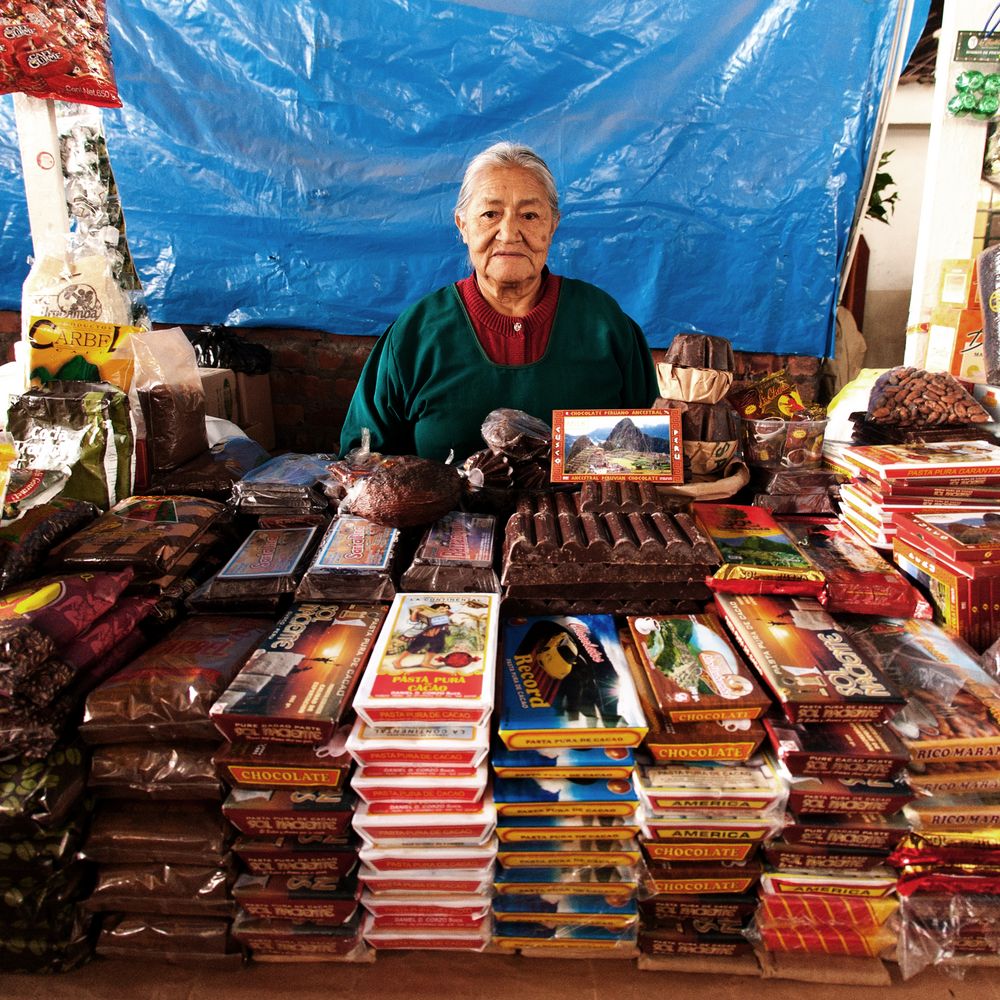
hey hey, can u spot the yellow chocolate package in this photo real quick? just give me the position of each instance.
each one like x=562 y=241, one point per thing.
x=79 y=350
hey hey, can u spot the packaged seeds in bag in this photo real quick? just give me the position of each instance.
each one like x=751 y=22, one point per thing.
x=26 y=542
x=39 y=794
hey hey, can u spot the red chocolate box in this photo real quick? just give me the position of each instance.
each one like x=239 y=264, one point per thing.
x=297 y=898
x=263 y=813
x=806 y=857
x=847 y=795
x=838 y=749
x=816 y=671
x=290 y=938
x=867 y=831
x=297 y=854
x=298 y=684
x=259 y=764
x=726 y=909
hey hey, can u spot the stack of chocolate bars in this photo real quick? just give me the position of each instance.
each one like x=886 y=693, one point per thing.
x=826 y=877
x=892 y=480
x=949 y=862
x=566 y=800
x=611 y=548
x=704 y=818
x=955 y=557
x=426 y=817
x=289 y=798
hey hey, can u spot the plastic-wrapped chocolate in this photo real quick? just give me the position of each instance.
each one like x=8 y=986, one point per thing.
x=188 y=833
x=267 y=564
x=177 y=890
x=45 y=945
x=454 y=556
x=167 y=692
x=178 y=940
x=213 y=474
x=288 y=482
x=517 y=434
x=172 y=771
x=26 y=542
x=796 y=481
x=355 y=561
x=147 y=534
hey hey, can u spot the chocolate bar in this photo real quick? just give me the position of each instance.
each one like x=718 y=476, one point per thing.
x=597 y=762
x=865 y=831
x=694 y=672
x=567 y=910
x=606 y=497
x=815 y=669
x=455 y=555
x=517 y=829
x=779 y=854
x=726 y=910
x=433 y=824
x=319 y=900
x=684 y=939
x=874 y=884
x=701 y=879
x=316 y=854
x=607 y=881
x=711 y=787
x=264 y=813
x=548 y=533
x=291 y=939
x=272 y=765
x=838 y=749
x=569 y=854
x=297 y=684
x=708 y=850
x=828 y=795
x=422 y=911
x=564 y=797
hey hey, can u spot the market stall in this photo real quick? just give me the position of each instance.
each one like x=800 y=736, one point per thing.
x=702 y=688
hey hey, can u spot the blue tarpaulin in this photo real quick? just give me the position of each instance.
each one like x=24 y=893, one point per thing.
x=296 y=164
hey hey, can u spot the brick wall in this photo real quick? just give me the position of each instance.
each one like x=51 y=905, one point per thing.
x=313 y=375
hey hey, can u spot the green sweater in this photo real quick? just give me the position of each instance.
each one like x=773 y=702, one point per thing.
x=428 y=384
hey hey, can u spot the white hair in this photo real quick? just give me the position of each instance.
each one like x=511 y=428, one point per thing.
x=507 y=154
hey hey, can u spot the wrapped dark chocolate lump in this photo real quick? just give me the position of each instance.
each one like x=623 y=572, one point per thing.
x=698 y=368
x=516 y=434
x=404 y=491
x=454 y=556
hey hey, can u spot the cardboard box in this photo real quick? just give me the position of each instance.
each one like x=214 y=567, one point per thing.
x=263 y=434
x=958 y=284
x=253 y=399
x=220 y=392
x=968 y=360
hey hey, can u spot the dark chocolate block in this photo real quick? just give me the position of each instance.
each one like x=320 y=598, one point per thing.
x=550 y=527
x=707 y=421
x=700 y=350
x=627 y=498
x=805 y=503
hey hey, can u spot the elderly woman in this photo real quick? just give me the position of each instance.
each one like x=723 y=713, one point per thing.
x=511 y=334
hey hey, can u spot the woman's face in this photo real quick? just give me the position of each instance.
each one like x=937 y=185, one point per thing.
x=508 y=226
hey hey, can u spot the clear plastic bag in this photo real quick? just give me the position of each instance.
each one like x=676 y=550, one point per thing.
x=171 y=397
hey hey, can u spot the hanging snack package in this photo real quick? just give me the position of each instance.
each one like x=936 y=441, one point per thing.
x=757 y=556
x=974 y=81
x=455 y=554
x=858 y=580
x=355 y=561
x=147 y=534
x=57 y=51
x=171 y=397
x=772 y=396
